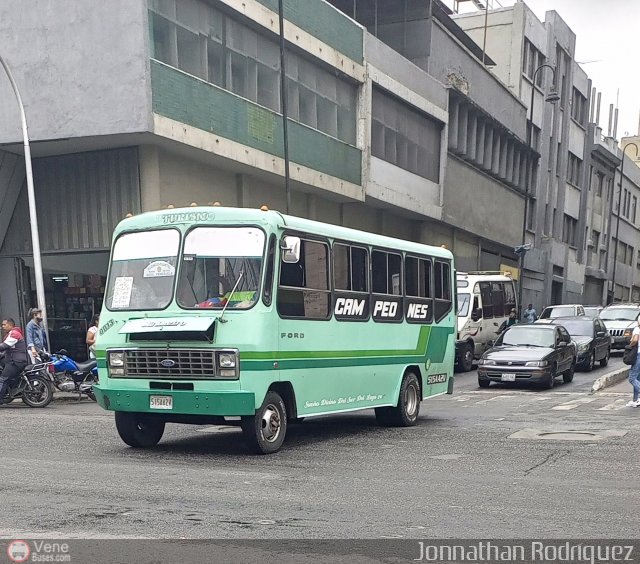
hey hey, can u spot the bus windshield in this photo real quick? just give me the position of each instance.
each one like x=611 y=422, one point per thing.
x=143 y=268
x=463 y=304
x=221 y=267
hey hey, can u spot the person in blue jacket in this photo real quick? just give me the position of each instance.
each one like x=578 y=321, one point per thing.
x=36 y=335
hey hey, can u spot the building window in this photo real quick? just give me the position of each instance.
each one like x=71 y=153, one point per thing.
x=632 y=213
x=595 y=238
x=569 y=230
x=578 y=107
x=599 y=182
x=574 y=169
x=531 y=60
x=405 y=137
x=533 y=134
x=195 y=37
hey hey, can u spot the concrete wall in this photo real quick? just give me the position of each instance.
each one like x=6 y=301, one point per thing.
x=81 y=71
x=481 y=205
x=453 y=65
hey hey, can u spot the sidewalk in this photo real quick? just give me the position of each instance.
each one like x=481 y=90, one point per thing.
x=612 y=379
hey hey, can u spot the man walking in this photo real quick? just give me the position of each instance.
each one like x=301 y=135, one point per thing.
x=15 y=355
x=530 y=314
x=36 y=335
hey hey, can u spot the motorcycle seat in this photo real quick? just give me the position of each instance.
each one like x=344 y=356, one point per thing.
x=87 y=366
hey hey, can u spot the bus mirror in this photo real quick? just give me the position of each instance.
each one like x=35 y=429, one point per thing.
x=290 y=249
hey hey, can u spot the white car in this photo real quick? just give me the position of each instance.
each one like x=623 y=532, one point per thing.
x=565 y=310
x=620 y=320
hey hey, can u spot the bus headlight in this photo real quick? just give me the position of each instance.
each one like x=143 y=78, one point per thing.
x=227 y=365
x=116 y=360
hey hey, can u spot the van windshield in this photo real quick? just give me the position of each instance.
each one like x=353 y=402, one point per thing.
x=143 y=268
x=463 y=304
x=221 y=267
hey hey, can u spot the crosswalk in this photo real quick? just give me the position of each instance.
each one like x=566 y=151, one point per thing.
x=577 y=402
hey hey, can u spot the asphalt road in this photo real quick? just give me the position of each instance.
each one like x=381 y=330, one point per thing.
x=460 y=473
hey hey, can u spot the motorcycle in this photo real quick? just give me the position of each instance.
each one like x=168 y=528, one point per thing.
x=71 y=376
x=32 y=386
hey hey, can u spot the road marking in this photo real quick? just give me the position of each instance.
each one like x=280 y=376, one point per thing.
x=616 y=405
x=572 y=404
x=482 y=402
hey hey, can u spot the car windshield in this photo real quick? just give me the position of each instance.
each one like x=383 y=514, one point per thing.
x=221 y=267
x=143 y=268
x=557 y=311
x=620 y=313
x=528 y=336
x=463 y=304
x=577 y=327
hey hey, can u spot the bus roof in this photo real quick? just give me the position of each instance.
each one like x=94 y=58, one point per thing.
x=276 y=220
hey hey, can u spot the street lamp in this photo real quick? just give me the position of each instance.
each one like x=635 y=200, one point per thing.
x=35 y=239
x=612 y=293
x=522 y=249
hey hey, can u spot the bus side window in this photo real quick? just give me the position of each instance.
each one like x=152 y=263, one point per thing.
x=304 y=286
x=443 y=303
x=497 y=290
x=509 y=297
x=267 y=294
x=487 y=300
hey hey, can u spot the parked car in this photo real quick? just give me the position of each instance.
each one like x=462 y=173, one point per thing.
x=591 y=338
x=536 y=353
x=592 y=311
x=620 y=320
x=565 y=310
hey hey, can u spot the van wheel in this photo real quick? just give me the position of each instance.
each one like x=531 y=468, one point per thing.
x=265 y=431
x=465 y=360
x=139 y=430
x=405 y=414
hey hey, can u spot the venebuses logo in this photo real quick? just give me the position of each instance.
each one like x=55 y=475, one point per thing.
x=18 y=551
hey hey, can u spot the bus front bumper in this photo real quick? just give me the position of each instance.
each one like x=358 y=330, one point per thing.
x=226 y=403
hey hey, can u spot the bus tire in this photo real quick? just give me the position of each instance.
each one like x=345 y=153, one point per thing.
x=465 y=358
x=138 y=430
x=265 y=431
x=405 y=414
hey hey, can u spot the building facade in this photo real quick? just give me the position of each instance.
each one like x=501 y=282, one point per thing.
x=184 y=105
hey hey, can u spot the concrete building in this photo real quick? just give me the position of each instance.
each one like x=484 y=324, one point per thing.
x=402 y=132
x=557 y=223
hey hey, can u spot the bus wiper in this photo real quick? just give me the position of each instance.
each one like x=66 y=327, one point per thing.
x=220 y=319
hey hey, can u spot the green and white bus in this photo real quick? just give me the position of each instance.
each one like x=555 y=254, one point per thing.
x=217 y=315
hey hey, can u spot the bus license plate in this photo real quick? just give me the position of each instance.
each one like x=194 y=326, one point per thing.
x=508 y=377
x=161 y=402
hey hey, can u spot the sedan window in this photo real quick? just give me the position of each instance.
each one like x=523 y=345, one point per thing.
x=577 y=327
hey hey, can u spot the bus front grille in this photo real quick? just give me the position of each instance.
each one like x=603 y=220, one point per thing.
x=172 y=363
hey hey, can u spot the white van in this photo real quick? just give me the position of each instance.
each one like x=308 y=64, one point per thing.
x=484 y=302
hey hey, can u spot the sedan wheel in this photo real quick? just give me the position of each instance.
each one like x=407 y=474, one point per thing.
x=604 y=361
x=551 y=380
x=592 y=361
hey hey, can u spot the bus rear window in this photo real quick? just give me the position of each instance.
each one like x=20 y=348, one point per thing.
x=143 y=268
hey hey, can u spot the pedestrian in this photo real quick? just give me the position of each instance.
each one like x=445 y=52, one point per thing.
x=16 y=359
x=530 y=314
x=36 y=335
x=634 y=371
x=92 y=333
x=513 y=318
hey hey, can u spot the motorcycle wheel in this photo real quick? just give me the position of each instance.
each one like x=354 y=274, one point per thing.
x=40 y=394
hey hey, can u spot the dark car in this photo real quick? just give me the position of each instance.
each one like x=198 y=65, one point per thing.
x=535 y=353
x=591 y=338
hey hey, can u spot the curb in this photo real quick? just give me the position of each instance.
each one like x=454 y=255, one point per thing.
x=610 y=379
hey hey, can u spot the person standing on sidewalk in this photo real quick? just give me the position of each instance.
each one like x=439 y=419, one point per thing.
x=634 y=371
x=36 y=335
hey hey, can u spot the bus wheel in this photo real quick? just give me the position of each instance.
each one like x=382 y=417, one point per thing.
x=408 y=408
x=138 y=430
x=265 y=431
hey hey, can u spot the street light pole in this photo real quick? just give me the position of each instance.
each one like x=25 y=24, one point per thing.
x=612 y=294
x=551 y=97
x=285 y=117
x=33 y=217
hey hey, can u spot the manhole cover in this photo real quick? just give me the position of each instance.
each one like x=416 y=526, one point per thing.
x=567 y=434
